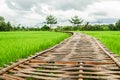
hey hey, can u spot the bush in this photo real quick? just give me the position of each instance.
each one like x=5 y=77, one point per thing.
x=45 y=28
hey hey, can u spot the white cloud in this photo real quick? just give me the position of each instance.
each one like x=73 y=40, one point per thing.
x=109 y=7
x=4 y=10
x=31 y=12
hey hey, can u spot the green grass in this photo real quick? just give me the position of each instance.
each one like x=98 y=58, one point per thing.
x=17 y=45
x=111 y=39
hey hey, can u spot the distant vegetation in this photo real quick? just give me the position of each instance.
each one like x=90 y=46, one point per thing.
x=110 y=39
x=51 y=21
x=5 y=26
x=20 y=44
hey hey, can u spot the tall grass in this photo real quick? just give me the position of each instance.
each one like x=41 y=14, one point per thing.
x=16 y=45
x=111 y=39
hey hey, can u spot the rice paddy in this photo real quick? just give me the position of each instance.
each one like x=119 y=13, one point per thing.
x=17 y=45
x=111 y=39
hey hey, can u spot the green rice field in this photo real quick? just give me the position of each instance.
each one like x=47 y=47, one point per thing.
x=17 y=45
x=111 y=39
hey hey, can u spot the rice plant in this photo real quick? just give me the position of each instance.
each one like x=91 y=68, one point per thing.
x=111 y=39
x=16 y=45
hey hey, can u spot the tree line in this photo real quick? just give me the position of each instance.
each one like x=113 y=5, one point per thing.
x=51 y=21
x=4 y=26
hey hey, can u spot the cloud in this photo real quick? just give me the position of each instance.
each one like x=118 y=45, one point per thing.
x=72 y=4
x=99 y=14
x=32 y=12
x=104 y=21
x=20 y=4
x=58 y=5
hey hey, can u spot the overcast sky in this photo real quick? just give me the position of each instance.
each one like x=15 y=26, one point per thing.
x=33 y=12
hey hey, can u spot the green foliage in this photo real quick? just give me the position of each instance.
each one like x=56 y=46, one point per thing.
x=66 y=28
x=87 y=24
x=96 y=27
x=33 y=29
x=110 y=39
x=76 y=20
x=117 y=24
x=4 y=26
x=45 y=28
x=86 y=27
x=8 y=26
x=16 y=45
x=112 y=27
x=51 y=20
x=2 y=19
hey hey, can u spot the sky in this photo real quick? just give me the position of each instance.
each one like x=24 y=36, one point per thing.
x=34 y=12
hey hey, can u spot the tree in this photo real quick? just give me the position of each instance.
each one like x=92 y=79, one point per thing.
x=5 y=26
x=45 y=28
x=1 y=19
x=85 y=27
x=76 y=20
x=8 y=26
x=51 y=20
x=111 y=27
x=117 y=24
x=2 y=24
